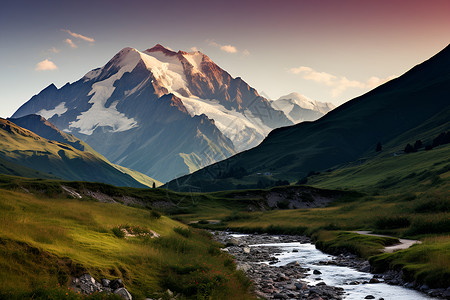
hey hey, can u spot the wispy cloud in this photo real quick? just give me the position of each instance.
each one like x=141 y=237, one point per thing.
x=194 y=49
x=226 y=48
x=246 y=52
x=54 y=50
x=339 y=84
x=46 y=65
x=79 y=36
x=70 y=43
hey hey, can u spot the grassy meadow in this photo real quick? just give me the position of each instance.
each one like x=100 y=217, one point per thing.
x=44 y=240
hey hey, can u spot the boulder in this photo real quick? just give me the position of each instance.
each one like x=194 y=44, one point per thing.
x=317 y=272
x=106 y=282
x=116 y=284
x=123 y=293
x=369 y=297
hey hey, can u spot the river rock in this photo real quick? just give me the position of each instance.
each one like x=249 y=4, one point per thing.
x=369 y=297
x=317 y=272
x=246 y=250
x=123 y=293
x=374 y=280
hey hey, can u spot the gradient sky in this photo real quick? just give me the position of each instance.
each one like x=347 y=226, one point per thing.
x=326 y=50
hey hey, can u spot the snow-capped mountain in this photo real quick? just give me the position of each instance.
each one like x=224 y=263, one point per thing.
x=299 y=108
x=160 y=112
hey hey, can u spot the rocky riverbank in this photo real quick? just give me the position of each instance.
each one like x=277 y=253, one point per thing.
x=293 y=281
x=284 y=282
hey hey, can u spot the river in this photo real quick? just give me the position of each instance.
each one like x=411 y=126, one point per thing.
x=354 y=283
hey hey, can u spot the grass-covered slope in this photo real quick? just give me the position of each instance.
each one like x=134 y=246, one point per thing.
x=44 y=240
x=404 y=109
x=22 y=147
x=42 y=127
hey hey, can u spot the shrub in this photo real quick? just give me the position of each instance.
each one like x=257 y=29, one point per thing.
x=392 y=222
x=432 y=205
x=186 y=232
x=118 y=232
x=155 y=215
x=431 y=225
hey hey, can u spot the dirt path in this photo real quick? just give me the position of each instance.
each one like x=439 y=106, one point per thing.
x=404 y=244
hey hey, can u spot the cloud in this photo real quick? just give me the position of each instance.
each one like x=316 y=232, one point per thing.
x=54 y=50
x=338 y=84
x=46 y=65
x=246 y=52
x=79 y=36
x=228 y=49
x=224 y=48
x=71 y=43
x=194 y=49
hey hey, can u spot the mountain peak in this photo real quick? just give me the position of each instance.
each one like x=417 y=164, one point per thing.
x=161 y=48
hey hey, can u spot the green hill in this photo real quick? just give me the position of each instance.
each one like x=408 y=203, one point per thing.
x=411 y=107
x=55 y=154
x=23 y=148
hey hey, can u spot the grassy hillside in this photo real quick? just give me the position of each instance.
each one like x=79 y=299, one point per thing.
x=47 y=130
x=404 y=196
x=44 y=240
x=26 y=149
x=404 y=109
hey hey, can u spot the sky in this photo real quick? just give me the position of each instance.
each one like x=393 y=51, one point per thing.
x=327 y=50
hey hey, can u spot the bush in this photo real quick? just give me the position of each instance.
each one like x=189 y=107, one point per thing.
x=155 y=215
x=432 y=206
x=118 y=232
x=392 y=222
x=186 y=232
x=429 y=226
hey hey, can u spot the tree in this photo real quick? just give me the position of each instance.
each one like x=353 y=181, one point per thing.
x=418 y=144
x=154 y=185
x=378 y=148
x=409 y=148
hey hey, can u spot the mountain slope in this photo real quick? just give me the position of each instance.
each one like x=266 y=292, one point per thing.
x=299 y=108
x=19 y=146
x=160 y=112
x=47 y=130
x=347 y=133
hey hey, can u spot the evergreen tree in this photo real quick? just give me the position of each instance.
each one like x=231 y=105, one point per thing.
x=154 y=185
x=409 y=148
x=378 y=148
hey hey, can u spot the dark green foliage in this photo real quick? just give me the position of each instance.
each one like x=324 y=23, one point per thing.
x=154 y=185
x=378 y=148
x=434 y=205
x=154 y=214
x=119 y=233
x=237 y=216
x=433 y=225
x=441 y=139
x=418 y=144
x=409 y=149
x=392 y=222
x=186 y=232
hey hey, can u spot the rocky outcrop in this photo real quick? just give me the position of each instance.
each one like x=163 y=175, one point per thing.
x=86 y=284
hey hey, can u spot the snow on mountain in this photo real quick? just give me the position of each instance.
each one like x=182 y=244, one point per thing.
x=58 y=110
x=299 y=108
x=125 y=111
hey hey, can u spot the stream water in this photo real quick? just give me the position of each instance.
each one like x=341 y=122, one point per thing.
x=309 y=257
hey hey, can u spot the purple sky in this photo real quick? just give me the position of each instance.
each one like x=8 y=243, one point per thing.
x=327 y=50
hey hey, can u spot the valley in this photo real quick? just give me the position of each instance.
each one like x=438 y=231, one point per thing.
x=167 y=172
